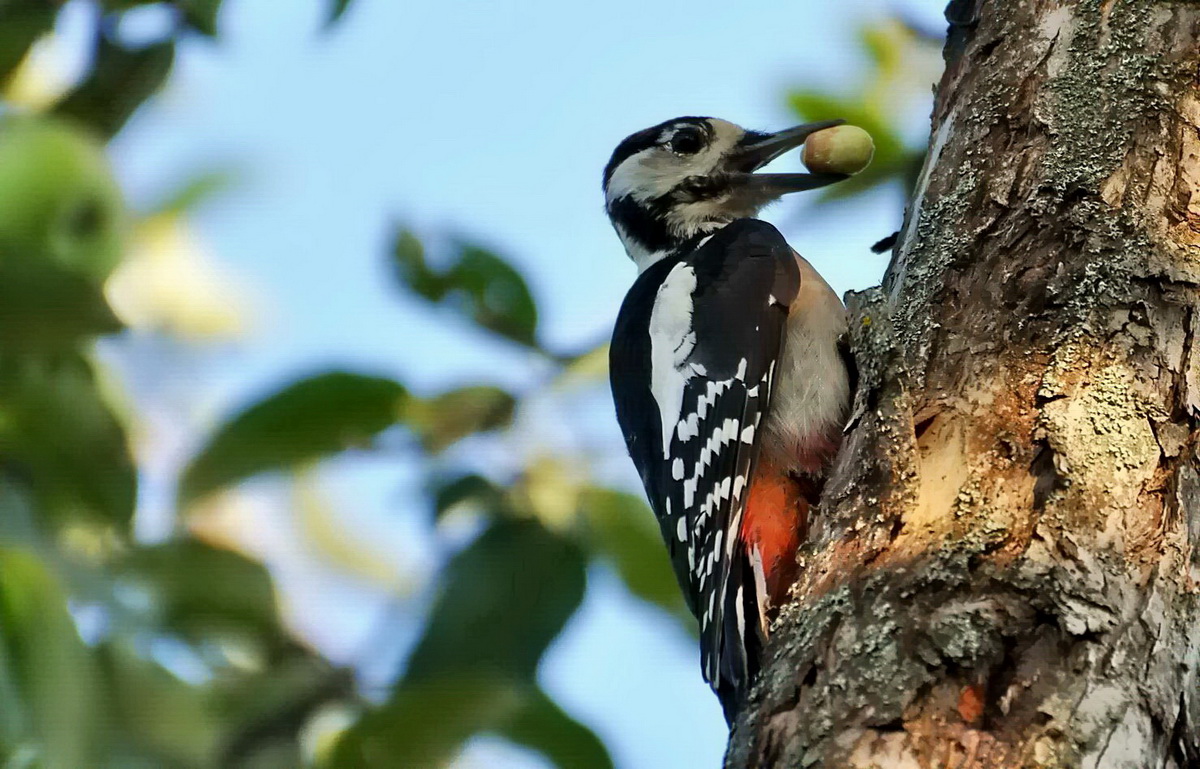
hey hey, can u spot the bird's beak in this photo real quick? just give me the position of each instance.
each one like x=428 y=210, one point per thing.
x=757 y=150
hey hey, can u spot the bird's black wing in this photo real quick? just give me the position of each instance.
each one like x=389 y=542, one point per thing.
x=692 y=365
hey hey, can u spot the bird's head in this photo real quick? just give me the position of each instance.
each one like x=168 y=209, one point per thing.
x=689 y=176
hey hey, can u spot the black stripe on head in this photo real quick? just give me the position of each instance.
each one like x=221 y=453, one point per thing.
x=648 y=222
x=635 y=143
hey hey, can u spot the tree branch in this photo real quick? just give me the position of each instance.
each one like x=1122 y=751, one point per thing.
x=1004 y=570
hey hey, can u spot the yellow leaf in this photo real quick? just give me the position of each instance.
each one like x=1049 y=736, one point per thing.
x=42 y=78
x=171 y=283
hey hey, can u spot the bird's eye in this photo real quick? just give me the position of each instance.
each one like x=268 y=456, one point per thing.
x=686 y=141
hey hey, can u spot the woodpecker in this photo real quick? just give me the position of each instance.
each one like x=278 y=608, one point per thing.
x=728 y=371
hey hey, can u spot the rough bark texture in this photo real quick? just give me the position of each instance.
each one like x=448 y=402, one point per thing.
x=1006 y=568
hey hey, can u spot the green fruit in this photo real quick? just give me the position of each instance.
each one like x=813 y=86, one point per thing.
x=58 y=197
x=844 y=149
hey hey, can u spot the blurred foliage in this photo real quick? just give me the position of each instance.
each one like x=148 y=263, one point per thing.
x=336 y=9
x=308 y=419
x=121 y=78
x=118 y=653
x=503 y=599
x=22 y=23
x=477 y=282
x=59 y=436
x=49 y=677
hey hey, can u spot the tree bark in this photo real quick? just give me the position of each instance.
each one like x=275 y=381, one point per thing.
x=1005 y=571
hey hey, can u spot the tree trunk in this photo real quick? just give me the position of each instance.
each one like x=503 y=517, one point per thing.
x=1005 y=571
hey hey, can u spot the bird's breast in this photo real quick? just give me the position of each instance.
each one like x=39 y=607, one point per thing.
x=811 y=393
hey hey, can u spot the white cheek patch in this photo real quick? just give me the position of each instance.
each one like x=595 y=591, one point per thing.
x=652 y=173
x=655 y=171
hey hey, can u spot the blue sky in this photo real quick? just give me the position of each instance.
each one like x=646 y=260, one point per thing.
x=489 y=119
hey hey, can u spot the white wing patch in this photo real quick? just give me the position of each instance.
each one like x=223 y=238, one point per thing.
x=671 y=342
x=760 y=583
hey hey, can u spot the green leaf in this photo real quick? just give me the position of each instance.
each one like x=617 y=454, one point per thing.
x=194 y=191
x=46 y=306
x=201 y=15
x=201 y=590
x=478 y=283
x=426 y=722
x=442 y=420
x=14 y=718
x=408 y=261
x=120 y=80
x=274 y=706
x=495 y=294
x=279 y=753
x=49 y=662
x=58 y=434
x=542 y=725
x=885 y=44
x=336 y=9
x=154 y=710
x=467 y=491
x=18 y=524
x=622 y=531
x=22 y=22
x=503 y=600
x=306 y=420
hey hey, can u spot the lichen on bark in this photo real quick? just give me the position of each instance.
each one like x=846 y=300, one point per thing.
x=1004 y=568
